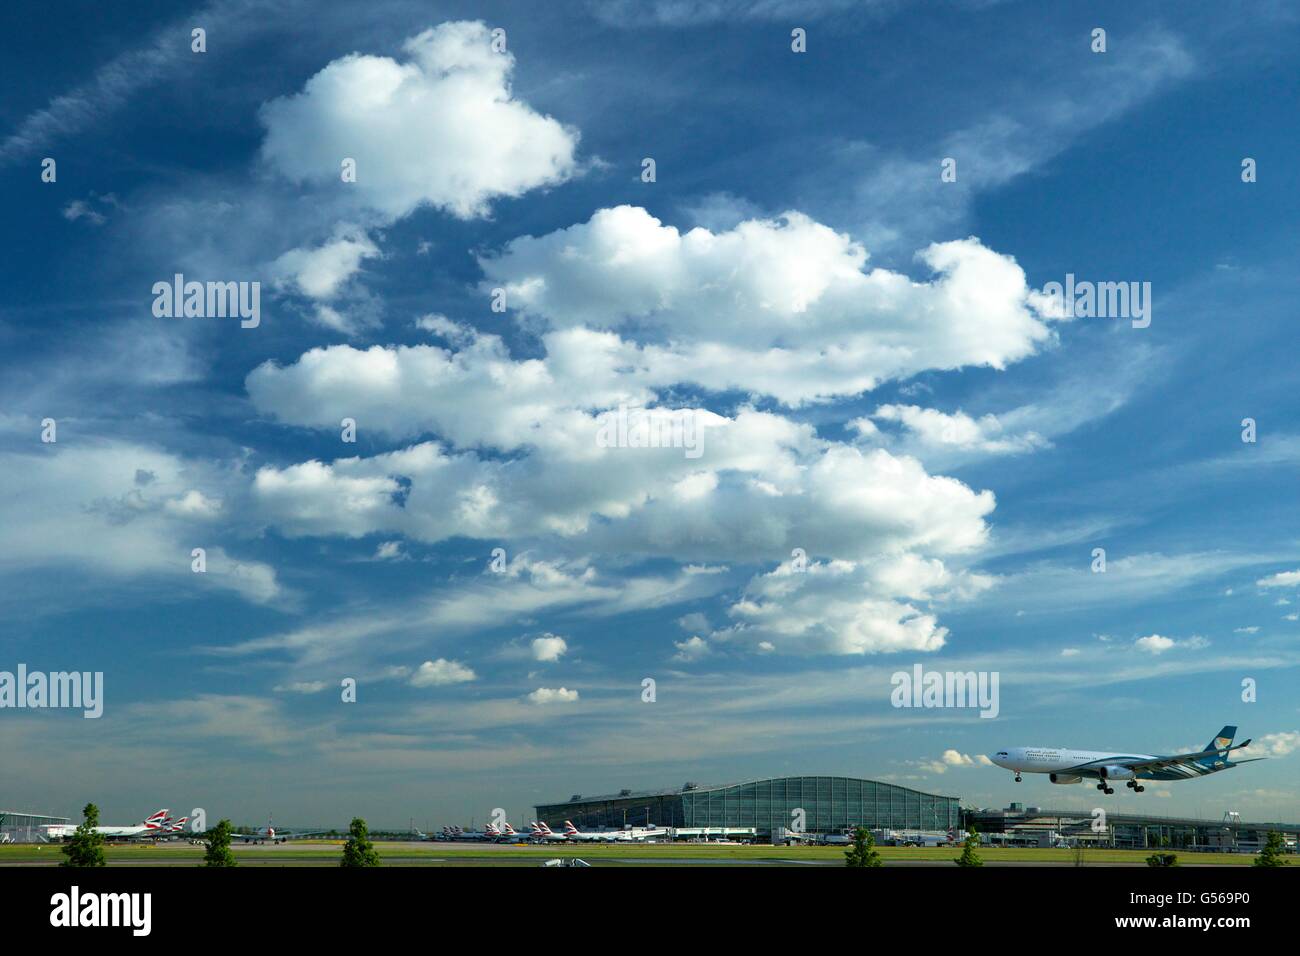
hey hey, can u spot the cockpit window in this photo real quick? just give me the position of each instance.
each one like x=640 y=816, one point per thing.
x=1002 y=753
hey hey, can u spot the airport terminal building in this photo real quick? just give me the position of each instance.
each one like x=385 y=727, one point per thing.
x=829 y=804
x=1019 y=825
x=19 y=826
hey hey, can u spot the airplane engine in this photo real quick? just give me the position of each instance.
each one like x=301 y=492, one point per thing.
x=1065 y=778
x=1116 y=773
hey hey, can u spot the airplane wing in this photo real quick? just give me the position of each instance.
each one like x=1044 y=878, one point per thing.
x=1160 y=763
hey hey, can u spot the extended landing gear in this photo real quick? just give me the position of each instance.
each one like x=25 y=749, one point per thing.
x=1105 y=789
x=1017 y=778
x=1134 y=785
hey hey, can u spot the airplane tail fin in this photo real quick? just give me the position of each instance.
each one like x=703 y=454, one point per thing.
x=1223 y=739
x=156 y=819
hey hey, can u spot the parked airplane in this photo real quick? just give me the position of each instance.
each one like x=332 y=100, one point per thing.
x=535 y=833
x=489 y=833
x=167 y=829
x=509 y=834
x=627 y=835
x=594 y=836
x=269 y=834
x=545 y=834
x=152 y=823
x=1072 y=766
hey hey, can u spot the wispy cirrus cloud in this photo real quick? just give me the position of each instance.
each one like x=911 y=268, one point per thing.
x=129 y=73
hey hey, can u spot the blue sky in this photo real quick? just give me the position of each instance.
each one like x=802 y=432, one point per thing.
x=879 y=381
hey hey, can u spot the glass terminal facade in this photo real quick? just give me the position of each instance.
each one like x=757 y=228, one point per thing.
x=20 y=827
x=829 y=805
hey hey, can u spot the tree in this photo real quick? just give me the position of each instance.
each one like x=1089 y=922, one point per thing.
x=1271 y=854
x=86 y=846
x=863 y=850
x=359 y=851
x=217 y=846
x=968 y=855
x=1162 y=859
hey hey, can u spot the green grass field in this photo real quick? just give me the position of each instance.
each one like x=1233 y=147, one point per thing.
x=326 y=853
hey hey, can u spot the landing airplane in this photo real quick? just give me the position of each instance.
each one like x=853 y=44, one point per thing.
x=1072 y=766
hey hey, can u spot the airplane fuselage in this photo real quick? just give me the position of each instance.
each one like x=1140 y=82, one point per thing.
x=1099 y=764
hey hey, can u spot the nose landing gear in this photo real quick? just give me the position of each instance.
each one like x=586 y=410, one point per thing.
x=1017 y=778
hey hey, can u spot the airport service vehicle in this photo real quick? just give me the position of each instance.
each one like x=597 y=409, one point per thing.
x=1073 y=766
x=150 y=824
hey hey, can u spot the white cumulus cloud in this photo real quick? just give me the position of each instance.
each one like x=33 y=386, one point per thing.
x=1158 y=643
x=792 y=312
x=1279 y=744
x=549 y=647
x=1283 y=579
x=553 y=695
x=691 y=649
x=441 y=672
x=441 y=127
